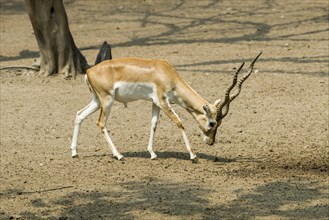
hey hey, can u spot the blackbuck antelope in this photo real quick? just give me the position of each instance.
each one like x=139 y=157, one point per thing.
x=130 y=79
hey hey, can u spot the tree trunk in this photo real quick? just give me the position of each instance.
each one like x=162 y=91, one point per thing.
x=58 y=52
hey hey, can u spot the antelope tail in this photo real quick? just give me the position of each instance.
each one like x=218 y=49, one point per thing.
x=88 y=84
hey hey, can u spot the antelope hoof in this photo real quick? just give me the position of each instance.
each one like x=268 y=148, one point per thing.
x=75 y=156
x=154 y=157
x=119 y=157
x=194 y=158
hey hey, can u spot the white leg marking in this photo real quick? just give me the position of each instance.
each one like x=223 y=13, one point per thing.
x=106 y=134
x=82 y=115
x=115 y=152
x=154 y=122
x=188 y=146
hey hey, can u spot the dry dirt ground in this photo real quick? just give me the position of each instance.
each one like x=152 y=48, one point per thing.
x=270 y=160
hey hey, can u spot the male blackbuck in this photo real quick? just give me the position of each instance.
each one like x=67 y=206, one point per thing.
x=130 y=79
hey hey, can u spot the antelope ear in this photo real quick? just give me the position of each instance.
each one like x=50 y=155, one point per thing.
x=205 y=108
x=217 y=102
x=207 y=111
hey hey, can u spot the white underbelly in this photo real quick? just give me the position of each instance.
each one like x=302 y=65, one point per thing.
x=128 y=92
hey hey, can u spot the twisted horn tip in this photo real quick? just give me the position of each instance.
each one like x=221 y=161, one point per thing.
x=256 y=58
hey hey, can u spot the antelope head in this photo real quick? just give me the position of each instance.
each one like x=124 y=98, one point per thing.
x=214 y=117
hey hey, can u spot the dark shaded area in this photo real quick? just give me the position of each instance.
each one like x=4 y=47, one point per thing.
x=24 y=54
x=176 y=155
x=12 y=7
x=170 y=199
x=259 y=31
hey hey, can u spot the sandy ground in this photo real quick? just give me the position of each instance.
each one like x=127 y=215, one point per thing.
x=270 y=160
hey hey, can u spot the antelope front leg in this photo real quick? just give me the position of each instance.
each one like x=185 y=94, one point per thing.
x=154 y=122
x=188 y=146
x=82 y=115
x=165 y=106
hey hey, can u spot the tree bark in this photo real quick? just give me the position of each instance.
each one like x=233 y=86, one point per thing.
x=58 y=52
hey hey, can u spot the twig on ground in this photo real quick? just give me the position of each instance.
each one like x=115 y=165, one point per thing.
x=46 y=190
x=20 y=67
